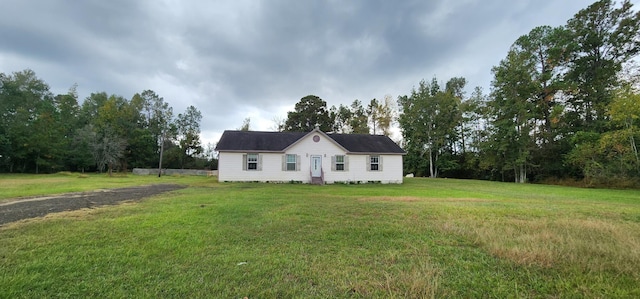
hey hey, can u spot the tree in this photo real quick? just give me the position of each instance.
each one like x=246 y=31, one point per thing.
x=25 y=104
x=472 y=125
x=278 y=124
x=188 y=132
x=68 y=111
x=159 y=120
x=211 y=156
x=310 y=113
x=128 y=120
x=625 y=113
x=602 y=38
x=341 y=117
x=372 y=113
x=42 y=132
x=544 y=55
x=81 y=153
x=106 y=123
x=523 y=107
x=358 y=122
x=381 y=115
x=455 y=88
x=246 y=125
x=512 y=114
x=141 y=145
x=428 y=120
x=46 y=139
x=90 y=106
x=105 y=146
x=472 y=133
x=124 y=120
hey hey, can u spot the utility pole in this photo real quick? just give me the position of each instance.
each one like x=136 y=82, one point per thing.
x=161 y=152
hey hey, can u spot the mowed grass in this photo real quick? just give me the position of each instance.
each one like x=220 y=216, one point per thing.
x=27 y=185
x=425 y=238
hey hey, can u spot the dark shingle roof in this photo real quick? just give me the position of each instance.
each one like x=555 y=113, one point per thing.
x=364 y=143
x=279 y=141
x=257 y=141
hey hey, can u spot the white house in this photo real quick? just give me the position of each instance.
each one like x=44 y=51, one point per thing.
x=314 y=157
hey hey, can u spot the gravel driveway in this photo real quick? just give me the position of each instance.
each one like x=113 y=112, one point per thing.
x=32 y=207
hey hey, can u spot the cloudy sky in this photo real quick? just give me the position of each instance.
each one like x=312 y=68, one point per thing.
x=249 y=58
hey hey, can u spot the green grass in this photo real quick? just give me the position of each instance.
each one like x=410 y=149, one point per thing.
x=23 y=185
x=425 y=238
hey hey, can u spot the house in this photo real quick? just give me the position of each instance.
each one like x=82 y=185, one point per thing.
x=313 y=157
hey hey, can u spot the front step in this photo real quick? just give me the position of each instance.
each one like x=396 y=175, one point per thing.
x=317 y=181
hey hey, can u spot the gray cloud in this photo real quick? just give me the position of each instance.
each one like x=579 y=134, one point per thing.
x=256 y=59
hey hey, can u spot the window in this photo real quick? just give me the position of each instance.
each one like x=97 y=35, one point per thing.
x=291 y=163
x=374 y=163
x=340 y=163
x=252 y=161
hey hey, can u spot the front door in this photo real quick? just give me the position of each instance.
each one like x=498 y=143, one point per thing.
x=316 y=166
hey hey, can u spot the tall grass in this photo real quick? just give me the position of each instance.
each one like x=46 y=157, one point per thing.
x=425 y=238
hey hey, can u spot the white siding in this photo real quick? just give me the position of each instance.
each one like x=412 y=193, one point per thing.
x=230 y=165
x=230 y=169
x=391 y=172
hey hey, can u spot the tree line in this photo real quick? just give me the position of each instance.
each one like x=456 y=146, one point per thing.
x=566 y=107
x=564 y=104
x=42 y=133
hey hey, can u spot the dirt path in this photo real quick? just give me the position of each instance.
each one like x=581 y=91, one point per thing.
x=39 y=206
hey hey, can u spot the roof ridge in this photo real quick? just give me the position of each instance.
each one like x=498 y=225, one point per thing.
x=273 y=141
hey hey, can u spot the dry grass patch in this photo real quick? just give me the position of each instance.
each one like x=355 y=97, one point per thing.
x=590 y=244
x=78 y=215
x=392 y=198
x=404 y=275
x=425 y=199
x=27 y=182
x=419 y=282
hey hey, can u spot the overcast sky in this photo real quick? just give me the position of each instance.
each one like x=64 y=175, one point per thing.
x=238 y=59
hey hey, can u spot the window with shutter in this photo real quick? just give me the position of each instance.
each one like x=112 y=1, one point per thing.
x=339 y=163
x=291 y=161
x=252 y=161
x=374 y=163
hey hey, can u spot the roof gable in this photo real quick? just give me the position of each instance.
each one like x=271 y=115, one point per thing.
x=254 y=141
x=314 y=132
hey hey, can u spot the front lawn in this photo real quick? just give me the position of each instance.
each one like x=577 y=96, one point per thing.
x=425 y=238
x=26 y=185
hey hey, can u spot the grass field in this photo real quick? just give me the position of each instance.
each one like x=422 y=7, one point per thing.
x=24 y=185
x=425 y=238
